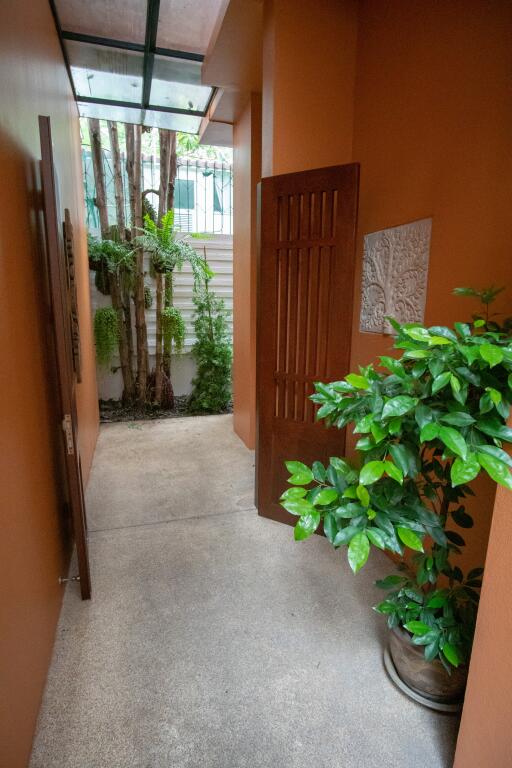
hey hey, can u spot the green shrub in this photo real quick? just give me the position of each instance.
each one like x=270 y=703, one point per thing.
x=212 y=353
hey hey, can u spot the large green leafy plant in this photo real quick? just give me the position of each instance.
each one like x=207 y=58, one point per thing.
x=430 y=421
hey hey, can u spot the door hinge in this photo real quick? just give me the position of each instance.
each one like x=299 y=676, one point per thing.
x=67 y=426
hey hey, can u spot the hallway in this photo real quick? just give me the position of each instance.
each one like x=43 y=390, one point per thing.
x=213 y=640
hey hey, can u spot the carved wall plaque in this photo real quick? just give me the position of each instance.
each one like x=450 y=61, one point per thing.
x=395 y=270
x=72 y=295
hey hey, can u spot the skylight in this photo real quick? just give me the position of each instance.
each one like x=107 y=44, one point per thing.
x=119 y=69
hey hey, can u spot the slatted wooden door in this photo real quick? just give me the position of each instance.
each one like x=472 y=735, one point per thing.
x=305 y=289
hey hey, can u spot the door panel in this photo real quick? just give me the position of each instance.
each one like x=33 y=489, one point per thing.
x=305 y=293
x=66 y=347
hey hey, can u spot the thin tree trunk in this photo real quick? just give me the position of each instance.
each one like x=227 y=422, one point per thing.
x=134 y=168
x=121 y=226
x=100 y=199
x=168 y=300
x=115 y=291
x=165 y=146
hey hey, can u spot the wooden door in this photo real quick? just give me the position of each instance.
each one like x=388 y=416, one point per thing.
x=60 y=265
x=305 y=293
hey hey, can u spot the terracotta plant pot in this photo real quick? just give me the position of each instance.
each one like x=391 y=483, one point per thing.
x=428 y=679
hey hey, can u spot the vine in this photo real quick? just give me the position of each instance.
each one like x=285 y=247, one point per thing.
x=106 y=334
x=173 y=328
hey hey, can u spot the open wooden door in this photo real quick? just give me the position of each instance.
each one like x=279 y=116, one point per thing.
x=59 y=250
x=305 y=291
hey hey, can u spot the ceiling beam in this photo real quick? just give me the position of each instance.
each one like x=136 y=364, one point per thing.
x=149 y=50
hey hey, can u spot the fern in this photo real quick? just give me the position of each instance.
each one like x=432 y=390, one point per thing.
x=168 y=251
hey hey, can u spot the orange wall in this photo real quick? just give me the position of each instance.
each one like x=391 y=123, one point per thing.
x=432 y=127
x=247 y=166
x=32 y=543
x=308 y=82
x=484 y=737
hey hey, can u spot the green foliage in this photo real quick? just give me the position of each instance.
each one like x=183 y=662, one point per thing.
x=486 y=297
x=429 y=422
x=110 y=255
x=106 y=334
x=148 y=297
x=212 y=352
x=173 y=328
x=168 y=250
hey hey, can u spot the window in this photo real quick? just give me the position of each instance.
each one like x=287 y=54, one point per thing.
x=184 y=194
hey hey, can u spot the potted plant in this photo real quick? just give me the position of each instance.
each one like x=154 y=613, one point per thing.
x=429 y=422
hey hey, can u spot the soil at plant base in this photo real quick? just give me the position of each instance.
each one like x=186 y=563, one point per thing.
x=115 y=410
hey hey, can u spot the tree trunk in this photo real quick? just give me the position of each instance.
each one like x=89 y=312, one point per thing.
x=168 y=300
x=165 y=146
x=134 y=169
x=100 y=199
x=121 y=227
x=114 y=280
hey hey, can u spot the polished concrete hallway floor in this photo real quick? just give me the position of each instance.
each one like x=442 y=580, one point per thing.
x=213 y=640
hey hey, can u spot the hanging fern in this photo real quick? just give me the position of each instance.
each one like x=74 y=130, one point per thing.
x=173 y=328
x=106 y=334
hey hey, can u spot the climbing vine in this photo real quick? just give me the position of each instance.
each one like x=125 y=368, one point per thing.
x=106 y=334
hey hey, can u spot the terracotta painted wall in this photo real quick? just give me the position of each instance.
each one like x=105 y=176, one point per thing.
x=432 y=127
x=484 y=737
x=308 y=81
x=247 y=174
x=33 y=553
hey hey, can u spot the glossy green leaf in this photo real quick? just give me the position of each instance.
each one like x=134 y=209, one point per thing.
x=330 y=527
x=394 y=472
x=491 y=354
x=464 y=470
x=294 y=493
x=371 y=472
x=319 y=472
x=454 y=441
x=496 y=469
x=358 y=381
x=404 y=458
x=429 y=432
x=495 y=428
x=376 y=537
x=398 y=406
x=363 y=495
x=301 y=478
x=450 y=653
x=298 y=506
x=417 y=627
x=358 y=551
x=390 y=581
x=325 y=496
x=410 y=538
x=440 y=381
x=458 y=419
x=307 y=525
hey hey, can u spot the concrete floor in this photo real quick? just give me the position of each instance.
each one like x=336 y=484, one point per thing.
x=213 y=640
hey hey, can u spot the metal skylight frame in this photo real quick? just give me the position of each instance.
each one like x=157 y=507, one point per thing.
x=149 y=49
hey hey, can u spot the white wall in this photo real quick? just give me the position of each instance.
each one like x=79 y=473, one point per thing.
x=219 y=254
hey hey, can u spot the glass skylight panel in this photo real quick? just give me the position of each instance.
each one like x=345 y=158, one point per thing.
x=109 y=112
x=100 y=72
x=185 y=25
x=177 y=84
x=171 y=121
x=117 y=19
